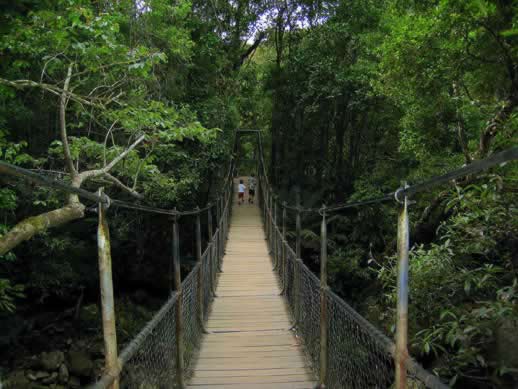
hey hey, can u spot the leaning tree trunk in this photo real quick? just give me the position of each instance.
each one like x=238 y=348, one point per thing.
x=31 y=226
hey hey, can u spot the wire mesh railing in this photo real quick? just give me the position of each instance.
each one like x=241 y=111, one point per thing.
x=344 y=349
x=151 y=359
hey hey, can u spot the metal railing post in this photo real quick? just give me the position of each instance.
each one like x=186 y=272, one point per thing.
x=201 y=272
x=179 y=320
x=107 y=296
x=403 y=243
x=275 y=241
x=323 y=301
x=265 y=212
x=218 y=234
x=221 y=224
x=298 y=226
x=270 y=236
x=284 y=263
x=211 y=252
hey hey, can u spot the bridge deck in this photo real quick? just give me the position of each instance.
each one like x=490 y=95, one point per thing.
x=250 y=344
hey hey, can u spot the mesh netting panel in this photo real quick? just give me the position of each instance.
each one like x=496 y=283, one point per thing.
x=150 y=358
x=191 y=326
x=290 y=280
x=307 y=305
x=214 y=266
x=356 y=357
x=207 y=281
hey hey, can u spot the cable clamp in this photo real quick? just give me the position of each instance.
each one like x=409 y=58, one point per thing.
x=397 y=192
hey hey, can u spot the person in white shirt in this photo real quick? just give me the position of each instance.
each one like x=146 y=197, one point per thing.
x=241 y=193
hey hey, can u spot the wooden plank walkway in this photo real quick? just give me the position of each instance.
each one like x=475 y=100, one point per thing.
x=249 y=344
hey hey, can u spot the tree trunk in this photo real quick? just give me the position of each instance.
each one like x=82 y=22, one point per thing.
x=31 y=226
x=339 y=155
x=493 y=125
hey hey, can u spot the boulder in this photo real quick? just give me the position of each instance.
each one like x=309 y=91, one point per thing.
x=79 y=363
x=74 y=382
x=40 y=375
x=505 y=349
x=17 y=380
x=140 y=296
x=52 y=360
x=51 y=379
x=63 y=374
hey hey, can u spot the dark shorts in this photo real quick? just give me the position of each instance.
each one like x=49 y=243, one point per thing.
x=241 y=195
x=251 y=192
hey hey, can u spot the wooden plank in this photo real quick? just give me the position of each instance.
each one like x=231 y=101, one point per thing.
x=249 y=344
x=269 y=385
x=252 y=379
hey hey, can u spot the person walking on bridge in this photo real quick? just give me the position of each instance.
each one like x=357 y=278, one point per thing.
x=251 y=189
x=241 y=193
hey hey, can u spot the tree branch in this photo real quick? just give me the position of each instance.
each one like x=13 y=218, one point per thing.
x=81 y=177
x=461 y=130
x=118 y=183
x=250 y=50
x=496 y=122
x=20 y=84
x=63 y=124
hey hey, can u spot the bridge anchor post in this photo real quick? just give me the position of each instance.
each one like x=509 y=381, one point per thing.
x=284 y=263
x=211 y=253
x=298 y=225
x=178 y=318
x=403 y=246
x=107 y=296
x=323 y=301
x=201 y=273
x=274 y=236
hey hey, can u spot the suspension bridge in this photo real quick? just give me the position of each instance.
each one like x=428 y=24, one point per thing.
x=251 y=314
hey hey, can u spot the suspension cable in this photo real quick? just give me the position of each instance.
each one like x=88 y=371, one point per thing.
x=500 y=158
x=7 y=168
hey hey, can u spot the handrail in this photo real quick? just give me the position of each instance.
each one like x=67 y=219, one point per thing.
x=500 y=158
x=217 y=240
x=271 y=225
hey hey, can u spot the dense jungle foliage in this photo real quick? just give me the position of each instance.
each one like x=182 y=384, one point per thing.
x=352 y=97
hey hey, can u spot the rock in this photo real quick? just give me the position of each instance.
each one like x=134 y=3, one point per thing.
x=51 y=361
x=41 y=374
x=74 y=382
x=63 y=374
x=33 y=363
x=16 y=380
x=59 y=330
x=80 y=363
x=505 y=350
x=140 y=296
x=50 y=380
x=11 y=328
x=97 y=349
